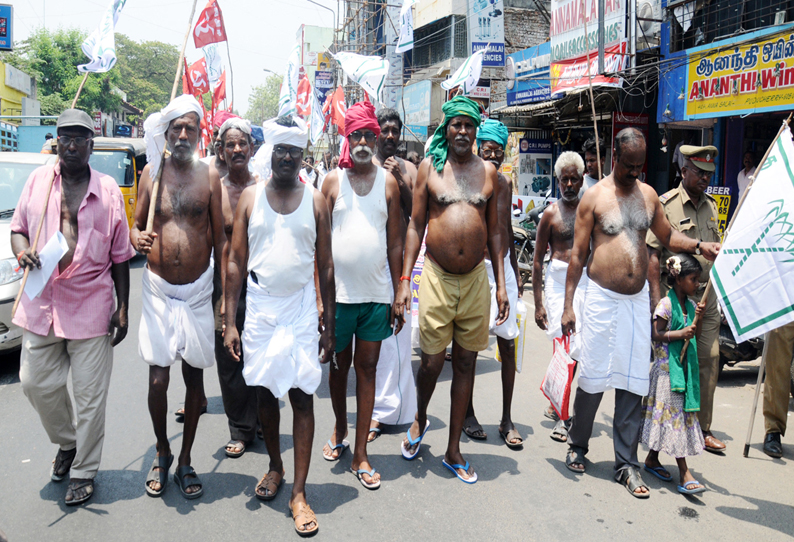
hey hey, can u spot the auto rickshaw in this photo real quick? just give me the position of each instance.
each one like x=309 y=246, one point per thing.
x=123 y=159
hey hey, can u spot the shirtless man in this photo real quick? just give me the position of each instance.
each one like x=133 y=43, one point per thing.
x=239 y=401
x=492 y=140
x=395 y=388
x=455 y=196
x=556 y=229
x=177 y=318
x=614 y=216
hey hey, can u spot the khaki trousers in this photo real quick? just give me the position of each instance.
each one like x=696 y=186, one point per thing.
x=778 y=351
x=709 y=359
x=43 y=372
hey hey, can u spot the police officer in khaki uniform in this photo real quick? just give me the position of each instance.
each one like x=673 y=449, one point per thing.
x=778 y=351
x=694 y=213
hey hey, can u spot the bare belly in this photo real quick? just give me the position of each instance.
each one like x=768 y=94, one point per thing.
x=457 y=237
x=619 y=263
x=181 y=252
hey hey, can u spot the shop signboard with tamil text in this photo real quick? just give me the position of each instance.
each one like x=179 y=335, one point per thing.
x=487 y=29
x=527 y=73
x=572 y=74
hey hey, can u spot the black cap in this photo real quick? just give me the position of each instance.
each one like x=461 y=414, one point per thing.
x=75 y=117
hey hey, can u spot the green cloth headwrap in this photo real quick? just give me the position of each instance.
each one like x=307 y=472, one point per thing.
x=684 y=378
x=492 y=130
x=457 y=106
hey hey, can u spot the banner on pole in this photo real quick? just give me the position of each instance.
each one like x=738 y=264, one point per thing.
x=209 y=27
x=753 y=271
x=287 y=100
x=406 y=39
x=368 y=71
x=100 y=46
x=468 y=75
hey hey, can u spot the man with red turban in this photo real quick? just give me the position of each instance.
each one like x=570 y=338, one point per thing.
x=366 y=241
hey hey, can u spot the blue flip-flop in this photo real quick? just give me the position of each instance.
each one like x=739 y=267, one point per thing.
x=370 y=485
x=472 y=479
x=413 y=442
x=657 y=471
x=683 y=489
x=344 y=445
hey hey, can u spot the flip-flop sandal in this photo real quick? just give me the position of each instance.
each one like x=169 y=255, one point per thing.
x=373 y=430
x=471 y=429
x=302 y=515
x=163 y=463
x=269 y=484
x=180 y=477
x=74 y=486
x=683 y=489
x=413 y=442
x=180 y=414
x=551 y=414
x=510 y=435
x=560 y=432
x=369 y=485
x=62 y=464
x=454 y=468
x=658 y=472
x=575 y=457
x=632 y=481
x=234 y=444
x=344 y=445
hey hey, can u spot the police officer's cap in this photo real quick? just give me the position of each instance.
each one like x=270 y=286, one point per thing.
x=702 y=157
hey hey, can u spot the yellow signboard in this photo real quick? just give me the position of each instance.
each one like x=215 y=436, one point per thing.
x=323 y=61
x=742 y=79
x=722 y=195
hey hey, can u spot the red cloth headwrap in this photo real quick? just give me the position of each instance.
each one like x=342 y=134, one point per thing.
x=360 y=115
x=221 y=117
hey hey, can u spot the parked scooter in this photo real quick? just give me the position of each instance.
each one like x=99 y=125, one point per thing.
x=732 y=352
x=524 y=238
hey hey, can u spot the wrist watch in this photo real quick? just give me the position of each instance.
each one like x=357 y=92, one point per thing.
x=697 y=248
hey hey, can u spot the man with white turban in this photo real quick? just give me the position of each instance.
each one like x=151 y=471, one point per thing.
x=177 y=318
x=280 y=229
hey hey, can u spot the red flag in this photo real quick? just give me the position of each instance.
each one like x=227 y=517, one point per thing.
x=209 y=28
x=219 y=92
x=339 y=109
x=187 y=88
x=303 y=101
x=197 y=73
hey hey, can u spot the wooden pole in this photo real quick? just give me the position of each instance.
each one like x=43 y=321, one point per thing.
x=592 y=101
x=707 y=291
x=79 y=90
x=156 y=184
x=35 y=244
x=746 y=451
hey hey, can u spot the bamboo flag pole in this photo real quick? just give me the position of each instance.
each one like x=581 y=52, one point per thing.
x=590 y=86
x=736 y=213
x=79 y=90
x=156 y=184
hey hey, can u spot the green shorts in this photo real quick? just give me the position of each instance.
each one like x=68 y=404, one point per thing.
x=367 y=321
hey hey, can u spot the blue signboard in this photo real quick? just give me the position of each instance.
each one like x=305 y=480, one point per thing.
x=494 y=56
x=323 y=83
x=415 y=104
x=530 y=70
x=6 y=27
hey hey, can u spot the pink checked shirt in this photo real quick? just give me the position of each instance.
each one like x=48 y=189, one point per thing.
x=77 y=303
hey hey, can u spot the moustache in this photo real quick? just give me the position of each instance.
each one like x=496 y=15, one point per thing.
x=362 y=149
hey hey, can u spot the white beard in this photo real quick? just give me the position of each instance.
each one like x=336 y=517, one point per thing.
x=360 y=161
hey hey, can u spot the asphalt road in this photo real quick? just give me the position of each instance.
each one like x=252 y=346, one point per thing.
x=521 y=495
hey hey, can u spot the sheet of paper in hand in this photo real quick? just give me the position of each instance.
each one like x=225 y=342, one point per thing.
x=49 y=256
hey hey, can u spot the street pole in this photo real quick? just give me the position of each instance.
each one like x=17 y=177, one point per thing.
x=601 y=15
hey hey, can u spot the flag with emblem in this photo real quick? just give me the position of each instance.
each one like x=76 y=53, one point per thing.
x=288 y=98
x=467 y=76
x=406 y=40
x=752 y=274
x=209 y=27
x=100 y=46
x=368 y=71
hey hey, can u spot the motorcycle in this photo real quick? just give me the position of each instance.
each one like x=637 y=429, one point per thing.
x=732 y=352
x=524 y=232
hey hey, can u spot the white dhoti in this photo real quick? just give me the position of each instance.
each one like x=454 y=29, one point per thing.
x=509 y=328
x=616 y=341
x=554 y=290
x=177 y=321
x=280 y=341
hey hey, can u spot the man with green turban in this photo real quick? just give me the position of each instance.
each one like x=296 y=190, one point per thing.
x=491 y=142
x=455 y=196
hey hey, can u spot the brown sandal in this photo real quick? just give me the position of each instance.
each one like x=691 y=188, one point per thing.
x=304 y=516
x=62 y=464
x=268 y=484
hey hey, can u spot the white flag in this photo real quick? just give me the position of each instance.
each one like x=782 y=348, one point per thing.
x=368 y=71
x=214 y=60
x=406 y=41
x=753 y=272
x=468 y=74
x=100 y=46
x=288 y=98
x=316 y=120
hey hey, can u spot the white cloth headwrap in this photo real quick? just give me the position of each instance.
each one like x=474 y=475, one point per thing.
x=157 y=124
x=276 y=134
x=237 y=123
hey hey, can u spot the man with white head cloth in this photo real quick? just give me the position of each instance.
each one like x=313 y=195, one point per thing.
x=280 y=229
x=556 y=231
x=177 y=282
x=239 y=401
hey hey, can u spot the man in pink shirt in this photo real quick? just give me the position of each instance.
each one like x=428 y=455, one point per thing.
x=71 y=323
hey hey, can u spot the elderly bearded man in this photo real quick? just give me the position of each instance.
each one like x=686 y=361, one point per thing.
x=395 y=389
x=280 y=228
x=455 y=196
x=364 y=201
x=176 y=320
x=69 y=325
x=613 y=217
x=556 y=231
x=492 y=140
x=239 y=401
